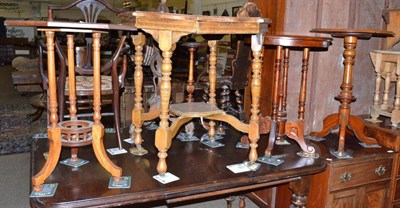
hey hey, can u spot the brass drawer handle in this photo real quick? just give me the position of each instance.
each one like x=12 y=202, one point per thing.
x=345 y=177
x=380 y=170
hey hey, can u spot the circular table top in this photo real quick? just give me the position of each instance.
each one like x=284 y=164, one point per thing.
x=298 y=41
x=360 y=33
x=194 y=44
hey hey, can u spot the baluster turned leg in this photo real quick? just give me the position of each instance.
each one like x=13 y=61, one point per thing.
x=163 y=140
x=396 y=111
x=387 y=75
x=213 y=80
x=98 y=128
x=300 y=190
x=254 y=133
x=378 y=79
x=190 y=84
x=72 y=90
x=53 y=131
x=282 y=114
x=137 y=121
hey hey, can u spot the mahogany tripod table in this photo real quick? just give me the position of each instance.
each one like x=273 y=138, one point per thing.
x=278 y=121
x=344 y=119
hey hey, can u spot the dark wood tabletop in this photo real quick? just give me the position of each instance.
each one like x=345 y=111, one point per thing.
x=202 y=172
x=361 y=33
x=297 y=41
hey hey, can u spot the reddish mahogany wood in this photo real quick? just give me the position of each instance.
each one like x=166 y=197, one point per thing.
x=206 y=177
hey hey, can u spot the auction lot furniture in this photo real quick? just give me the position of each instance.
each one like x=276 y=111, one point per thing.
x=202 y=174
x=344 y=119
x=361 y=181
x=291 y=129
x=73 y=133
x=389 y=137
x=167 y=29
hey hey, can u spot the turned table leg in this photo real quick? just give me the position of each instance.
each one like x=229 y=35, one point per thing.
x=282 y=99
x=300 y=189
x=344 y=119
x=137 y=119
x=98 y=128
x=54 y=131
x=254 y=134
x=163 y=140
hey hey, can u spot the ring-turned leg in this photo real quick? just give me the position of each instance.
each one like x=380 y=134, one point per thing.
x=212 y=72
x=275 y=100
x=54 y=131
x=163 y=140
x=98 y=128
x=137 y=119
x=282 y=114
x=295 y=130
x=254 y=134
x=344 y=119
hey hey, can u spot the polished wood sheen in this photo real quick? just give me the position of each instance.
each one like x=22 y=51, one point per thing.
x=361 y=181
x=389 y=137
x=283 y=44
x=344 y=120
x=167 y=29
x=206 y=177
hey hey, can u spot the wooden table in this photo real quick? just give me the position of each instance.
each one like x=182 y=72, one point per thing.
x=206 y=175
x=292 y=129
x=167 y=29
x=344 y=119
x=60 y=132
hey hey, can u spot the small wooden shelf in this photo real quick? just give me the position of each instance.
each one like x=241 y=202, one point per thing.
x=195 y=110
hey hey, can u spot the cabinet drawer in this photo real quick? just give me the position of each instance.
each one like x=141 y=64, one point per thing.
x=360 y=173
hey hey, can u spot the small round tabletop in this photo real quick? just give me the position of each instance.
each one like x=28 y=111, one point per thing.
x=298 y=41
x=360 y=33
x=194 y=44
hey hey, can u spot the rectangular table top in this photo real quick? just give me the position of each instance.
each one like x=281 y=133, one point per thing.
x=202 y=172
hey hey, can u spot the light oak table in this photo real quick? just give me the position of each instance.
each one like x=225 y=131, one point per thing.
x=167 y=29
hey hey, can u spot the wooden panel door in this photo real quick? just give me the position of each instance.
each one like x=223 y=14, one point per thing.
x=342 y=199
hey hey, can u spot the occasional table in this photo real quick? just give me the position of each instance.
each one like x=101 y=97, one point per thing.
x=279 y=124
x=167 y=29
x=344 y=119
x=73 y=133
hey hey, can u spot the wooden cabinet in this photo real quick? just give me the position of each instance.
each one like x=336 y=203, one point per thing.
x=389 y=137
x=361 y=181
